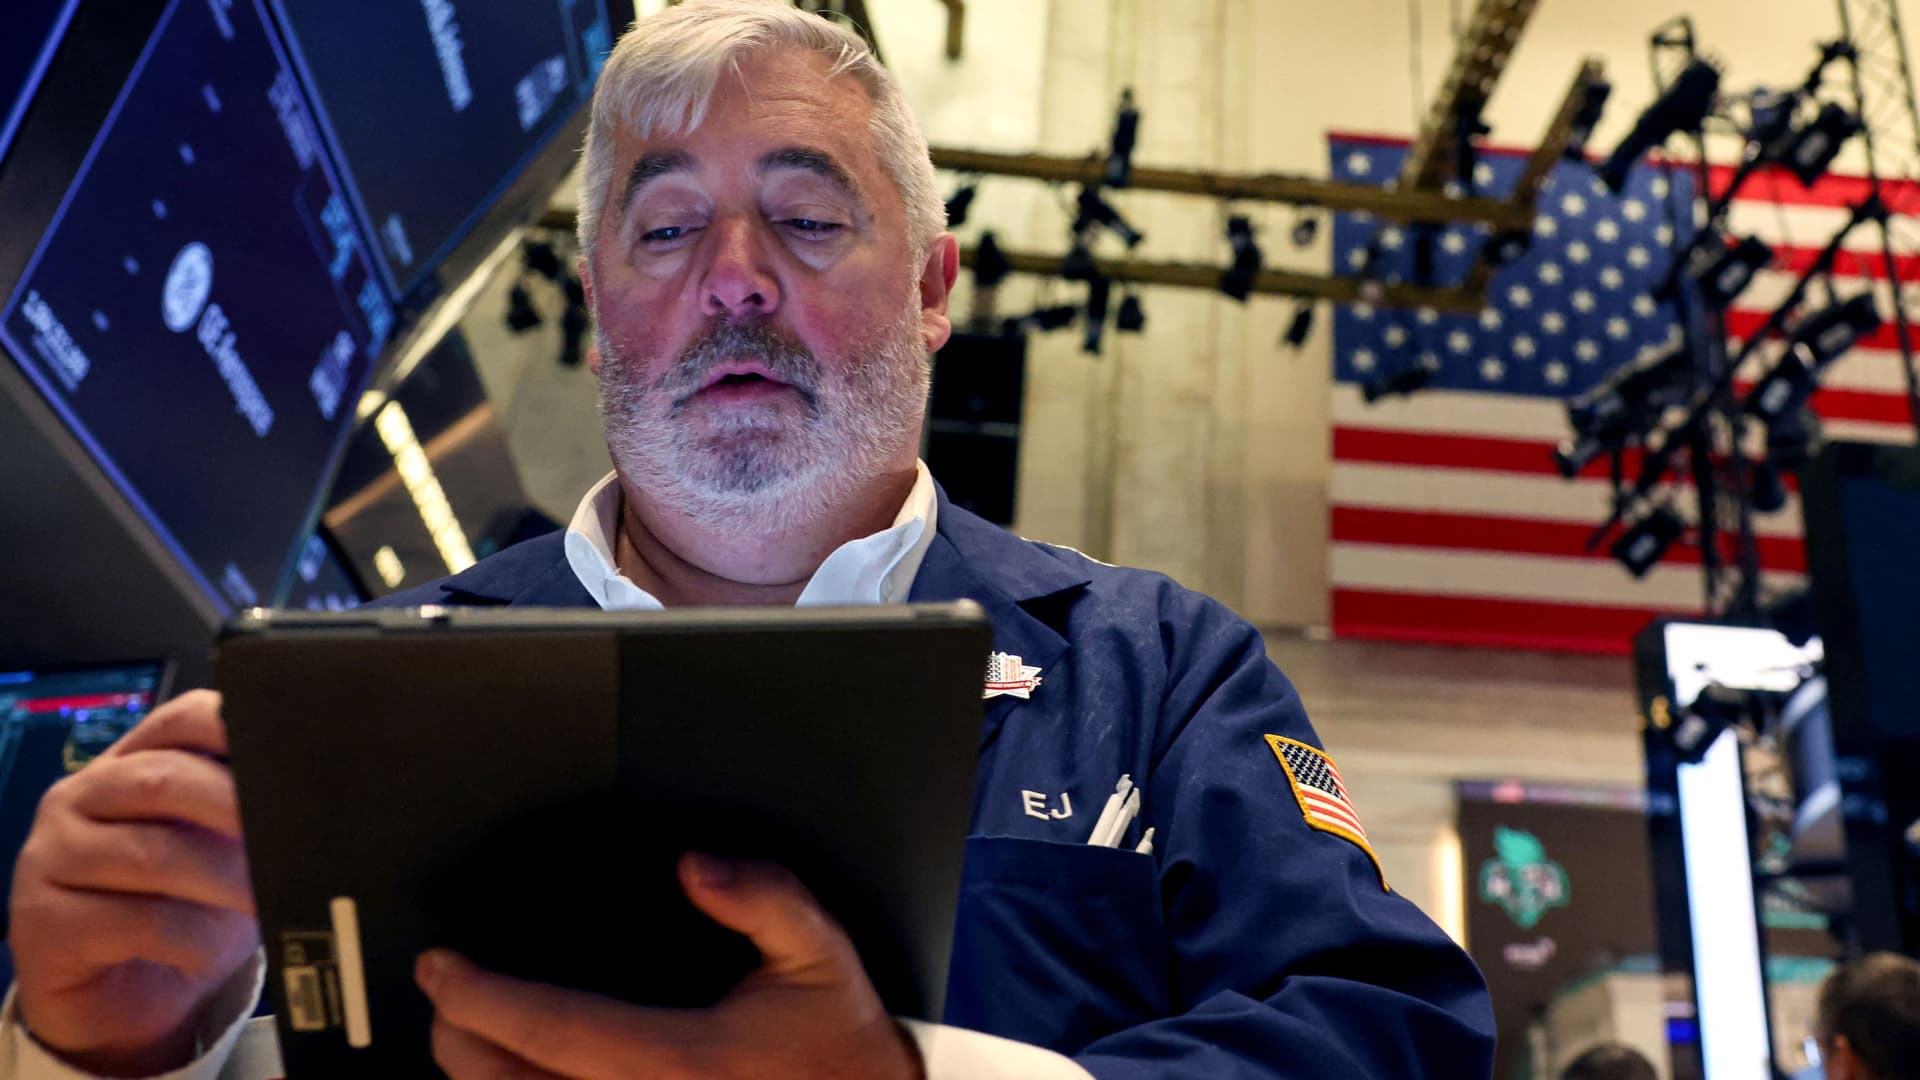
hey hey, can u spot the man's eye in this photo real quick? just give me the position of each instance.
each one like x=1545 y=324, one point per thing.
x=812 y=226
x=665 y=235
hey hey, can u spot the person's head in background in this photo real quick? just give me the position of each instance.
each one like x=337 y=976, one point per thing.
x=1869 y=1022
x=1610 y=1061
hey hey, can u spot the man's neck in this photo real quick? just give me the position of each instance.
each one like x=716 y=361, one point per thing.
x=684 y=563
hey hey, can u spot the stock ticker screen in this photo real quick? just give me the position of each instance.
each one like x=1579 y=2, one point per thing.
x=33 y=28
x=53 y=721
x=435 y=105
x=203 y=310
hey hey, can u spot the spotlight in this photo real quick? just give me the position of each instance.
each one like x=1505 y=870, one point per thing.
x=1809 y=150
x=1126 y=125
x=1099 y=290
x=1593 y=102
x=990 y=266
x=1766 y=488
x=1078 y=263
x=1093 y=210
x=1615 y=408
x=541 y=259
x=1784 y=388
x=1301 y=325
x=1771 y=113
x=522 y=316
x=1403 y=383
x=1724 y=273
x=1054 y=317
x=957 y=205
x=1305 y=229
x=1682 y=107
x=1646 y=541
x=1834 y=329
x=1238 y=279
x=1131 y=318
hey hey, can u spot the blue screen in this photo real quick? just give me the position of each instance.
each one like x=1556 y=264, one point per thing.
x=51 y=723
x=33 y=28
x=435 y=105
x=203 y=311
x=1882 y=522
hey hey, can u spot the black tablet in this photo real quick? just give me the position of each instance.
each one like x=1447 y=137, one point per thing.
x=517 y=785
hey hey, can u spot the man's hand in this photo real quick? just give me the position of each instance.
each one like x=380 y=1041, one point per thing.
x=131 y=904
x=808 y=1011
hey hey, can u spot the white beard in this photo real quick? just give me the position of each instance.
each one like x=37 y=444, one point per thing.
x=761 y=469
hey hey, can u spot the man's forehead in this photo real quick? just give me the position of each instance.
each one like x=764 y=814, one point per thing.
x=786 y=93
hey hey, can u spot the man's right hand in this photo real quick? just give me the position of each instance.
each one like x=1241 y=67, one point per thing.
x=131 y=905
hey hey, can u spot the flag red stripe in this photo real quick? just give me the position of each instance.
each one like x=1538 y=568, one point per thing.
x=1862 y=261
x=1743 y=323
x=1321 y=806
x=1521 y=536
x=1485 y=621
x=1778 y=185
x=1525 y=457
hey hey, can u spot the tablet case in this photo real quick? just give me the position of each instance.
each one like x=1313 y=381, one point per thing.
x=516 y=785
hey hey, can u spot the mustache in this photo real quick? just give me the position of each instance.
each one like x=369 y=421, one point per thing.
x=734 y=339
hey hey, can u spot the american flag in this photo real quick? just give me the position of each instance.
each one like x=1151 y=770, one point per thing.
x=1317 y=784
x=1449 y=521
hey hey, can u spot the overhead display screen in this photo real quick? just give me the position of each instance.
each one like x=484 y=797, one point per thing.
x=33 y=29
x=203 y=311
x=435 y=105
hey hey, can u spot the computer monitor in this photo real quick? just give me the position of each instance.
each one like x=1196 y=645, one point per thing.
x=53 y=721
x=202 y=311
x=33 y=29
x=434 y=108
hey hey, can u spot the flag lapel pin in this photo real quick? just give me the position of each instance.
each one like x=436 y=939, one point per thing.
x=1007 y=675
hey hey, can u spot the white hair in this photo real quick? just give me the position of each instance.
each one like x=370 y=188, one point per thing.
x=662 y=74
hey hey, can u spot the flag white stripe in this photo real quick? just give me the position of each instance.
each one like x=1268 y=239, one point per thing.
x=1536 y=578
x=1454 y=412
x=1321 y=806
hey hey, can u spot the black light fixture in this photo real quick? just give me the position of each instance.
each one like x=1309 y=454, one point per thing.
x=1131 y=318
x=1807 y=151
x=1766 y=487
x=959 y=203
x=1099 y=291
x=990 y=265
x=1238 y=279
x=1681 y=107
x=573 y=321
x=1305 y=228
x=1647 y=540
x=1836 y=328
x=1078 y=263
x=1724 y=271
x=1051 y=317
x=522 y=316
x=1300 y=325
x=1586 y=116
x=1126 y=127
x=541 y=258
x=1620 y=406
x=1785 y=387
x=1770 y=114
x=1092 y=210
x=1405 y=382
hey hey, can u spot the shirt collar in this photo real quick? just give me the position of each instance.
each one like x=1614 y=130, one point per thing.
x=877 y=569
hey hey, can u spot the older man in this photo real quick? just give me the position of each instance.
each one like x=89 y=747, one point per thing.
x=764 y=252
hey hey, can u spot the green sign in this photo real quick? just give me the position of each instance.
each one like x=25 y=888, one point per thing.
x=1521 y=879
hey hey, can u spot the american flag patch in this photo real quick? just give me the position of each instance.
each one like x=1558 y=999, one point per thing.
x=1322 y=794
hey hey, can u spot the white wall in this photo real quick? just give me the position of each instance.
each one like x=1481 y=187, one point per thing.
x=1202 y=447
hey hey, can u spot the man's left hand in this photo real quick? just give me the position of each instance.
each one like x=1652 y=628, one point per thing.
x=807 y=1011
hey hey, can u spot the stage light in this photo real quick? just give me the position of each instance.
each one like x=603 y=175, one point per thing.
x=1093 y=210
x=1836 y=328
x=541 y=259
x=1807 y=151
x=1682 y=107
x=1238 y=279
x=1131 y=318
x=1055 y=317
x=1593 y=102
x=990 y=266
x=1617 y=407
x=1766 y=488
x=1126 y=127
x=522 y=316
x=1099 y=291
x=1771 y=114
x=1723 y=272
x=1078 y=263
x=958 y=205
x=1785 y=387
x=1300 y=325
x=1305 y=229
x=1403 y=383
x=1647 y=540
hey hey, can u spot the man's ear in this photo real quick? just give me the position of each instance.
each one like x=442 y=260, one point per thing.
x=937 y=276
x=585 y=273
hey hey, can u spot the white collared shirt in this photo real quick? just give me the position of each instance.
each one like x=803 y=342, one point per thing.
x=877 y=569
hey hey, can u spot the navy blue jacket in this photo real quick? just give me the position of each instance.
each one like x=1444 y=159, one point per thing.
x=1249 y=943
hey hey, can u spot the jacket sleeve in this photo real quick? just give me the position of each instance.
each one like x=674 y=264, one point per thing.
x=1288 y=954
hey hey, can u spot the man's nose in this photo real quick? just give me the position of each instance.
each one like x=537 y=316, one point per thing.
x=738 y=279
